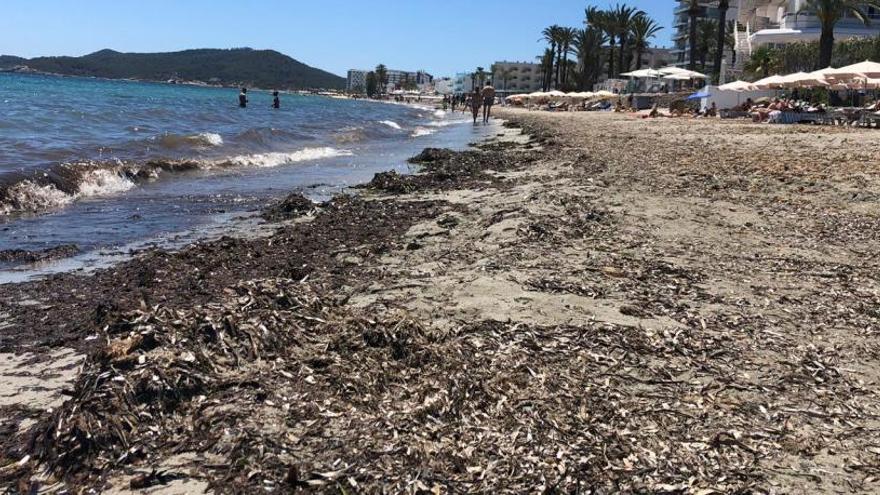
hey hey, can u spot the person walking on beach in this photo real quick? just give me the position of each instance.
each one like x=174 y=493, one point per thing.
x=488 y=97
x=276 y=101
x=242 y=98
x=454 y=99
x=476 y=103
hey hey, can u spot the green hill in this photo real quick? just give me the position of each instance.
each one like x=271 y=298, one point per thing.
x=260 y=68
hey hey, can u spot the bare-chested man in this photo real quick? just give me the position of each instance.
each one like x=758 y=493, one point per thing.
x=488 y=95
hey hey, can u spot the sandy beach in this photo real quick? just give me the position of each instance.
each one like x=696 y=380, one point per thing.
x=588 y=303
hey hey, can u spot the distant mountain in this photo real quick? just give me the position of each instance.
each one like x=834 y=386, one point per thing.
x=260 y=68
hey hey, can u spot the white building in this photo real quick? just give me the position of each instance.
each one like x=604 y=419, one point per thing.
x=680 y=52
x=517 y=77
x=462 y=83
x=396 y=79
x=444 y=85
x=357 y=81
x=776 y=22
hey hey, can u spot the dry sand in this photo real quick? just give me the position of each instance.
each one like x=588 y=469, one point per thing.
x=662 y=306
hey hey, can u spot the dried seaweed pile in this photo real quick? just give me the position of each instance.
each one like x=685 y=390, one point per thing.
x=445 y=169
x=24 y=256
x=274 y=388
x=574 y=219
x=74 y=305
x=294 y=205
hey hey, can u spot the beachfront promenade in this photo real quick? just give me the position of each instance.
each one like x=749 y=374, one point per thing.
x=614 y=303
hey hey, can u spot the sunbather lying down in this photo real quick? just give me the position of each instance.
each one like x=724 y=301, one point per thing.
x=676 y=112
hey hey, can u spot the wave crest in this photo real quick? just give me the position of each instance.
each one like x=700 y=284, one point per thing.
x=392 y=124
x=421 y=131
x=66 y=183
x=265 y=160
x=200 y=140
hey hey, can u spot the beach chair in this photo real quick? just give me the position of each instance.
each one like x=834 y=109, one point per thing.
x=787 y=118
x=734 y=114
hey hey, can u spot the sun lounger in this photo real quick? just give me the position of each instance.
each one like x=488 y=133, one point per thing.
x=734 y=114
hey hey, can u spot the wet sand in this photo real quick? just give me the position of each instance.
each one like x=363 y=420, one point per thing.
x=614 y=304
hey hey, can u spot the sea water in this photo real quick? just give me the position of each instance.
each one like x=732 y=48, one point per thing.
x=104 y=164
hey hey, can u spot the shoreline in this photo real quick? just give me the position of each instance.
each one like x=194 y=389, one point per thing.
x=612 y=304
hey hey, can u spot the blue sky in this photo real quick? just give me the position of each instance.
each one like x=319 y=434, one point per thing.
x=442 y=37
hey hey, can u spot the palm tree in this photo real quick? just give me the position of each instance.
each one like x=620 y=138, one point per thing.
x=705 y=39
x=602 y=20
x=763 y=61
x=623 y=16
x=551 y=35
x=829 y=12
x=382 y=77
x=588 y=45
x=694 y=10
x=547 y=68
x=642 y=29
x=723 y=6
x=566 y=39
x=480 y=75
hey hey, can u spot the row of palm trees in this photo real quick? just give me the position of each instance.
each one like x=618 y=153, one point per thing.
x=625 y=30
x=621 y=33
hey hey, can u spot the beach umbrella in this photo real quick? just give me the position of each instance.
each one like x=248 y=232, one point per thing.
x=699 y=95
x=795 y=80
x=772 y=82
x=643 y=74
x=737 y=86
x=861 y=70
x=678 y=77
x=603 y=94
x=678 y=71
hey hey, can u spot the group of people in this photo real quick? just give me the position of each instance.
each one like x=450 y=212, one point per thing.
x=771 y=109
x=481 y=98
x=243 y=99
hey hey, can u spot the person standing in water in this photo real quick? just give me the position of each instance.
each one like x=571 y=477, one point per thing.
x=476 y=102
x=454 y=99
x=242 y=98
x=276 y=101
x=488 y=97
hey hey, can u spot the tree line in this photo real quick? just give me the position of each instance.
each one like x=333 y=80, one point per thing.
x=611 y=40
x=804 y=56
x=816 y=55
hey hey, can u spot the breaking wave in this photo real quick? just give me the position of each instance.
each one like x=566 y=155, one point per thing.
x=421 y=131
x=275 y=159
x=200 y=140
x=66 y=183
x=392 y=124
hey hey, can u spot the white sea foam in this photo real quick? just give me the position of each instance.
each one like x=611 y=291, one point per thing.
x=30 y=196
x=27 y=195
x=439 y=114
x=202 y=139
x=210 y=138
x=276 y=159
x=100 y=182
x=421 y=131
x=391 y=124
x=444 y=123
